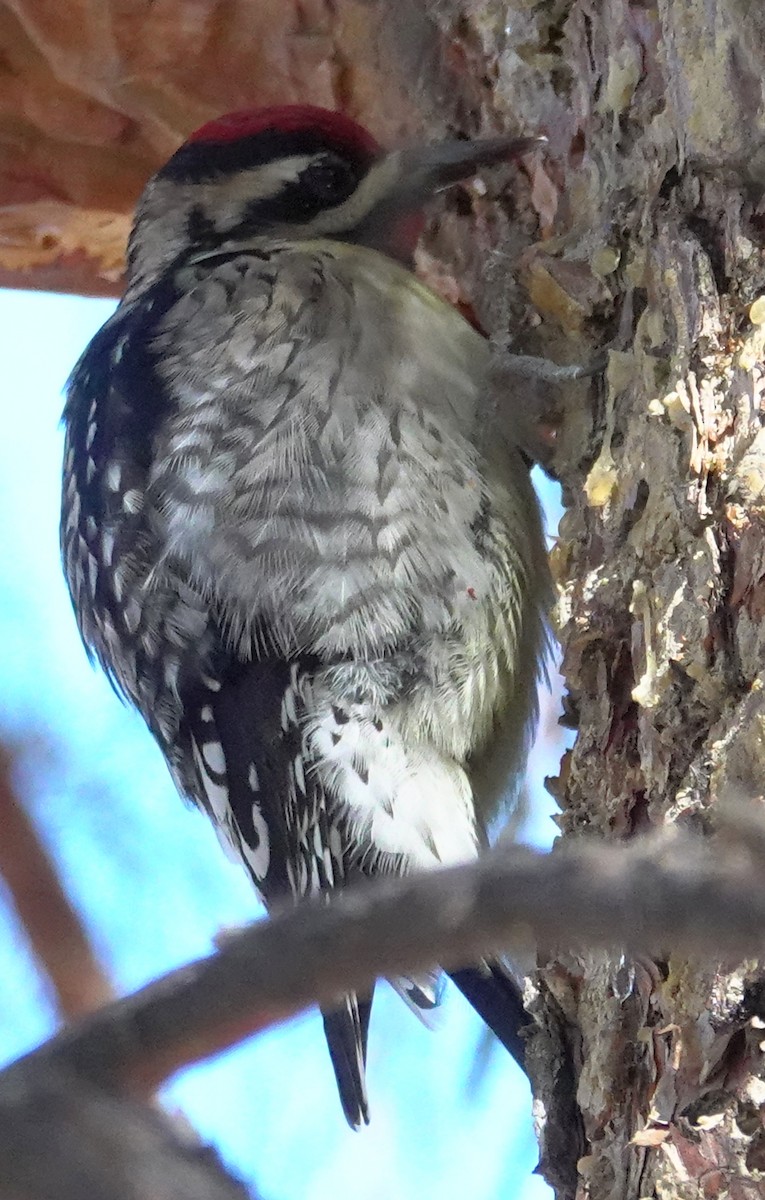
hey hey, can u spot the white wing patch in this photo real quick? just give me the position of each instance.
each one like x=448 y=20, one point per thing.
x=259 y=855
x=216 y=794
x=211 y=768
x=212 y=753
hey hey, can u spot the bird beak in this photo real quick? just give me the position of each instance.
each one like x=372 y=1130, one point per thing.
x=386 y=211
x=425 y=170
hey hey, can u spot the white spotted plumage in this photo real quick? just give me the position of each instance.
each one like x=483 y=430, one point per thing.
x=297 y=528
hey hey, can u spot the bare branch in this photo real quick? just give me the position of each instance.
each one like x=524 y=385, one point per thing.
x=55 y=931
x=62 y=1137
x=668 y=891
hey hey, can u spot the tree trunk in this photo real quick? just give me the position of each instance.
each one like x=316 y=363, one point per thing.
x=648 y=245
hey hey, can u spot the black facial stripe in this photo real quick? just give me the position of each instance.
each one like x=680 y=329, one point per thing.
x=200 y=229
x=298 y=200
x=198 y=162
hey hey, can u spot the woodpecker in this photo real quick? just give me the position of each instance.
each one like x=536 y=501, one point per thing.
x=298 y=529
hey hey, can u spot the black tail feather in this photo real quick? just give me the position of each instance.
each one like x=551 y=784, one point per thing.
x=496 y=997
x=346 y=1031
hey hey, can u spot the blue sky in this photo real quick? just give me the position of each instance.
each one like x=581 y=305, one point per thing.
x=154 y=888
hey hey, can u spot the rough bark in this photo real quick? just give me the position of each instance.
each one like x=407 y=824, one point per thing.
x=648 y=243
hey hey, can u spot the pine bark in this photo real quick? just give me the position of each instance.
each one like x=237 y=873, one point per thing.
x=641 y=235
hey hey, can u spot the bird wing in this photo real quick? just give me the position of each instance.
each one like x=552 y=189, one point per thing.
x=254 y=773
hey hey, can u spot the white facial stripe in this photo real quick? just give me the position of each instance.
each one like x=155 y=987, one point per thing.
x=259 y=183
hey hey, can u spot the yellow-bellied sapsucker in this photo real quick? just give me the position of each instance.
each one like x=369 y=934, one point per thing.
x=298 y=531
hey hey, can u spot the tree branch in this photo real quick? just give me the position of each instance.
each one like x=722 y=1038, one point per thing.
x=61 y=1137
x=666 y=891
x=54 y=928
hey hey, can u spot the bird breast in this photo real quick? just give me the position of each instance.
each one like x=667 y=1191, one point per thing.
x=317 y=468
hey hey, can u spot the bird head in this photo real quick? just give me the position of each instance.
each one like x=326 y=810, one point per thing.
x=299 y=172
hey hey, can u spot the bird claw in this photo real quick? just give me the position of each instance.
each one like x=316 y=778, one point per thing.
x=528 y=366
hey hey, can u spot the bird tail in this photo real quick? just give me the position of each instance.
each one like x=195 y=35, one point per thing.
x=346 y=1031
x=494 y=993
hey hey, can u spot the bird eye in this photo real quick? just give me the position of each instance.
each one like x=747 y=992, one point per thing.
x=328 y=180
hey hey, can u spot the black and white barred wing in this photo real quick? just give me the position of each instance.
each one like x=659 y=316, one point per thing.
x=255 y=773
